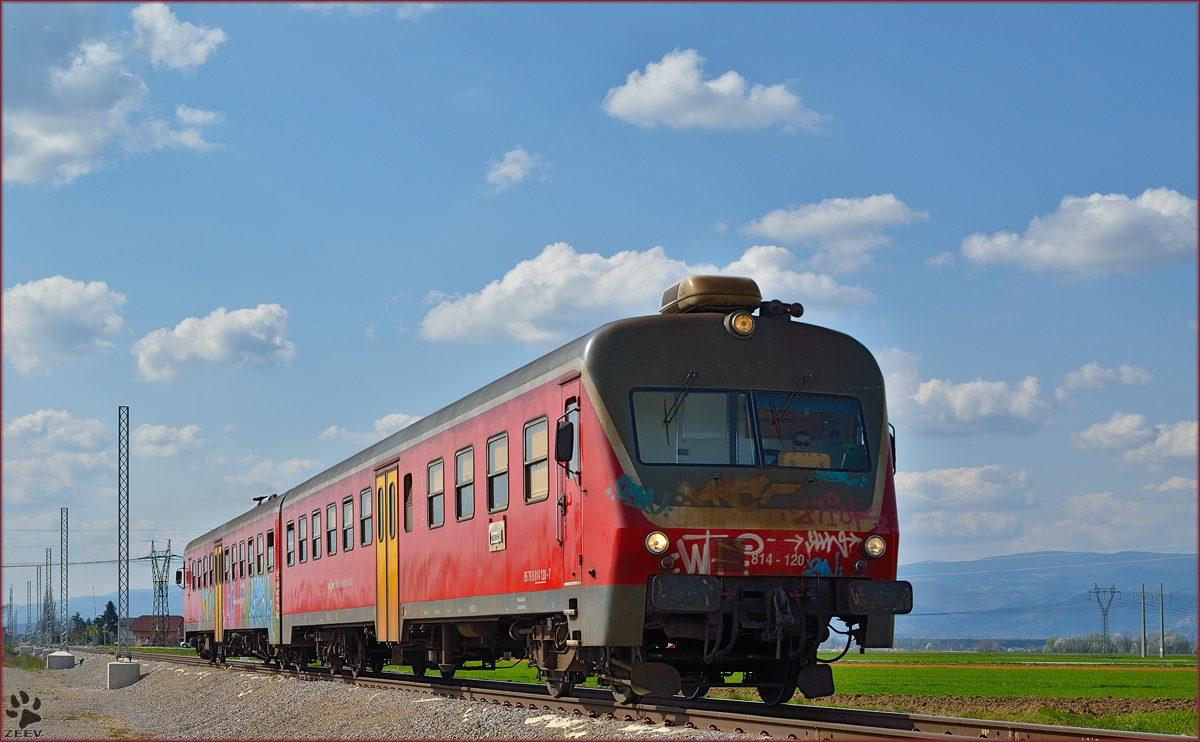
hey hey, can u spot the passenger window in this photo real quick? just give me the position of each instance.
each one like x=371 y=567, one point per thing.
x=537 y=469
x=250 y=556
x=436 y=484
x=464 y=484
x=241 y=560
x=225 y=565
x=331 y=530
x=348 y=524
x=259 y=553
x=364 y=513
x=302 y=527
x=408 y=503
x=291 y=543
x=270 y=551
x=316 y=534
x=497 y=473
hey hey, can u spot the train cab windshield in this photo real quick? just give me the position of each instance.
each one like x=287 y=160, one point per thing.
x=770 y=429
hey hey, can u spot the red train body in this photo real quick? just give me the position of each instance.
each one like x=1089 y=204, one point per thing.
x=662 y=503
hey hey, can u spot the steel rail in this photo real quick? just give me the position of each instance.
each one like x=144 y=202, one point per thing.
x=788 y=721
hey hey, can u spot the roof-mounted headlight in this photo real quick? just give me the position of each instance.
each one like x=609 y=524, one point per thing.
x=740 y=324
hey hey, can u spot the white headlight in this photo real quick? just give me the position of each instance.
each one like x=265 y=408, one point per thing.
x=657 y=542
x=874 y=546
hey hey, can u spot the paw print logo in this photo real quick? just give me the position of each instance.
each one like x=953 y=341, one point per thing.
x=24 y=709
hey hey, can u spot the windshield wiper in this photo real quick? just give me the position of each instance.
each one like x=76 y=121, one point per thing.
x=776 y=417
x=669 y=415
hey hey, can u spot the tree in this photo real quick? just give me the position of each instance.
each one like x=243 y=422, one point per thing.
x=78 y=628
x=108 y=621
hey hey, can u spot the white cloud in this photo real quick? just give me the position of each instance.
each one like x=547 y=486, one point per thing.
x=180 y=46
x=267 y=477
x=1098 y=234
x=968 y=489
x=943 y=407
x=384 y=427
x=674 y=92
x=63 y=135
x=163 y=441
x=560 y=291
x=1093 y=376
x=842 y=230
x=31 y=479
x=55 y=317
x=197 y=116
x=1182 y=484
x=516 y=165
x=413 y=11
x=61 y=120
x=1110 y=521
x=55 y=430
x=1120 y=431
x=244 y=337
x=1174 y=443
x=941 y=260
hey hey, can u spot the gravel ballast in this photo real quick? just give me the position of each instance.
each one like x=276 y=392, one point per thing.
x=173 y=701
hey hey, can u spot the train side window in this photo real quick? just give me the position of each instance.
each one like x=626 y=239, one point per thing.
x=348 y=523
x=225 y=564
x=364 y=514
x=497 y=473
x=270 y=551
x=391 y=507
x=207 y=570
x=408 y=503
x=437 y=513
x=316 y=535
x=192 y=573
x=241 y=560
x=302 y=530
x=464 y=484
x=537 y=468
x=291 y=543
x=331 y=529
x=250 y=556
x=259 y=552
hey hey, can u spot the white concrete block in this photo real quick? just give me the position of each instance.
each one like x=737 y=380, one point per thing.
x=60 y=661
x=121 y=674
x=26 y=650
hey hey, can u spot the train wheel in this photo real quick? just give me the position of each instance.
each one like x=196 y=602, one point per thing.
x=419 y=669
x=624 y=695
x=695 y=691
x=377 y=664
x=447 y=673
x=560 y=684
x=779 y=684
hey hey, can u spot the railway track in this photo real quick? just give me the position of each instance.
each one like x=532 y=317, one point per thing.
x=801 y=722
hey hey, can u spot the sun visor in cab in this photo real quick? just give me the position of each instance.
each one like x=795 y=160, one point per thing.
x=711 y=294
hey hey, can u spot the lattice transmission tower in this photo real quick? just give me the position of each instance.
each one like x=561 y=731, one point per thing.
x=48 y=601
x=160 y=564
x=1110 y=593
x=123 y=532
x=62 y=577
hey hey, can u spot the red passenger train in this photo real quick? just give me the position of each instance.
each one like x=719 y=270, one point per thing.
x=663 y=503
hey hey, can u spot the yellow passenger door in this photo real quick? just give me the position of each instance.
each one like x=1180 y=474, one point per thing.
x=387 y=621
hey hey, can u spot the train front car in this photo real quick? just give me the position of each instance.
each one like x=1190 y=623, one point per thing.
x=755 y=500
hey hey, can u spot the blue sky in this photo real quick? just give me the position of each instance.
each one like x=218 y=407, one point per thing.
x=280 y=232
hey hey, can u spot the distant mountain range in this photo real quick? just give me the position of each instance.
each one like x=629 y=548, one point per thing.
x=1046 y=593
x=1019 y=596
